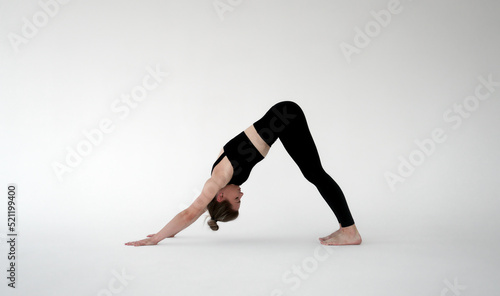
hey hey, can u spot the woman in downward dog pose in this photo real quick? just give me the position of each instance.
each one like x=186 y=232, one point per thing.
x=221 y=194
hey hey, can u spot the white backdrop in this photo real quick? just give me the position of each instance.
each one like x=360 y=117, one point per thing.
x=113 y=112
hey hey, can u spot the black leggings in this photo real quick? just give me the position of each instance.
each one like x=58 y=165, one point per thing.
x=286 y=121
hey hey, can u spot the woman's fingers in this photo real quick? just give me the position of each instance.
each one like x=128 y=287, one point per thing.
x=138 y=243
x=143 y=242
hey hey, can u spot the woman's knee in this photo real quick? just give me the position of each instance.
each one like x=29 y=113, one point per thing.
x=315 y=175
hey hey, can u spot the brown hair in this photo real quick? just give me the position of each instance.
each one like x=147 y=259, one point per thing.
x=220 y=211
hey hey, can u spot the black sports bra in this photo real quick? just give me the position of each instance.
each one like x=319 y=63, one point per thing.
x=243 y=157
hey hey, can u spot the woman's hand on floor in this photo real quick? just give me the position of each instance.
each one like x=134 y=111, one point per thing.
x=144 y=242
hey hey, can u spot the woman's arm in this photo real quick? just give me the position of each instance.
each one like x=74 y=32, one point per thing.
x=189 y=215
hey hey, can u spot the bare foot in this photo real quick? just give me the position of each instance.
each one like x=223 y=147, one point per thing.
x=344 y=236
x=329 y=236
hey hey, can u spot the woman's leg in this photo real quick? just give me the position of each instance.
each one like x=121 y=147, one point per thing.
x=287 y=121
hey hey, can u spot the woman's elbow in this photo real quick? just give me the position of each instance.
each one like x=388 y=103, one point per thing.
x=190 y=215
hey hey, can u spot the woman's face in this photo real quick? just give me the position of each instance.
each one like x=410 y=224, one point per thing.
x=231 y=193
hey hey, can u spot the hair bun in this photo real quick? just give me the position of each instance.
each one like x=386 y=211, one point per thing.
x=213 y=225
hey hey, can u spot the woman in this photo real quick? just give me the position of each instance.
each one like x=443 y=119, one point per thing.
x=221 y=195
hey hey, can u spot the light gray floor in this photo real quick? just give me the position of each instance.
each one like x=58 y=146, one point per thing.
x=199 y=262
